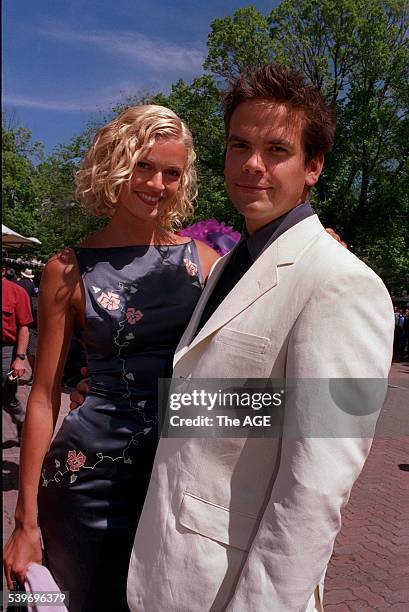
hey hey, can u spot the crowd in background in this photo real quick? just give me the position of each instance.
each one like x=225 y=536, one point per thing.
x=401 y=338
x=20 y=293
x=18 y=328
x=30 y=282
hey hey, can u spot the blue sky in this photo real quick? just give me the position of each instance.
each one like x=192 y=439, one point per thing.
x=65 y=60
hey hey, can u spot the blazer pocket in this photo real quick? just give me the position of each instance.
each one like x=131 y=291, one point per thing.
x=216 y=522
x=259 y=345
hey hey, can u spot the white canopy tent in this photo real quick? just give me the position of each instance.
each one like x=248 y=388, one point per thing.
x=10 y=238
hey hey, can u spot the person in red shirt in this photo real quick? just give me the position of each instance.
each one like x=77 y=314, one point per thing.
x=16 y=317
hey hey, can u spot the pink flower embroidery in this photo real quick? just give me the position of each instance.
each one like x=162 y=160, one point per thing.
x=191 y=268
x=133 y=316
x=109 y=300
x=75 y=460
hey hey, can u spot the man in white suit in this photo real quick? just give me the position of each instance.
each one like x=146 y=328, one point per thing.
x=249 y=524
x=245 y=524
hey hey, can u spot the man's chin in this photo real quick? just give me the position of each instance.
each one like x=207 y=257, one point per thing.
x=251 y=209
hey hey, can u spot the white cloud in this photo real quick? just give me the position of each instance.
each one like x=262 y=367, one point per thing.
x=155 y=53
x=101 y=99
x=47 y=104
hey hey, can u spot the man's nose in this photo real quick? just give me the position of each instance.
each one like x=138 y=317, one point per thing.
x=156 y=181
x=254 y=163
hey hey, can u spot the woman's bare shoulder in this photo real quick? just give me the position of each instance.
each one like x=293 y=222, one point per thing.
x=95 y=240
x=176 y=239
x=61 y=269
x=207 y=257
x=62 y=261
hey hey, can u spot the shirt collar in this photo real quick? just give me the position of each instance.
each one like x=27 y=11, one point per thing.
x=266 y=235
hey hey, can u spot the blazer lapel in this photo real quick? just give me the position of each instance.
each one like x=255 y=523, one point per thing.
x=261 y=277
x=197 y=313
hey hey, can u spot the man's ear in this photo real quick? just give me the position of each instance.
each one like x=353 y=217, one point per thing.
x=314 y=169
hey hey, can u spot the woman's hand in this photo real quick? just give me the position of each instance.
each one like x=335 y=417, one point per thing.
x=23 y=548
x=336 y=236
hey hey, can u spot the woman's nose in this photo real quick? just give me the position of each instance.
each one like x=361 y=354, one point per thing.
x=156 y=181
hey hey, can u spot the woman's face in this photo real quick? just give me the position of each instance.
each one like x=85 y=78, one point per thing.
x=155 y=180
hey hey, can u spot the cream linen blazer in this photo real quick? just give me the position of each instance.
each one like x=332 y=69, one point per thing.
x=248 y=525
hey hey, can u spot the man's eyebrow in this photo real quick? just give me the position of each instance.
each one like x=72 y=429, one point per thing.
x=270 y=141
x=280 y=141
x=236 y=137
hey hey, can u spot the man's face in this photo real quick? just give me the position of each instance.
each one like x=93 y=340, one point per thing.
x=265 y=170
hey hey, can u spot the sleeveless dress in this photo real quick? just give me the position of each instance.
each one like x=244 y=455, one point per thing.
x=95 y=476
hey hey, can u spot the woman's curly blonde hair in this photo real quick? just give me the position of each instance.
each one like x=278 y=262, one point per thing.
x=112 y=159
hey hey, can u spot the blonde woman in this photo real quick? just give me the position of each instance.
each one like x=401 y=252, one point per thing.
x=130 y=289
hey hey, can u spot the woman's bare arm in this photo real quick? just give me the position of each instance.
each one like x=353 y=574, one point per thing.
x=60 y=302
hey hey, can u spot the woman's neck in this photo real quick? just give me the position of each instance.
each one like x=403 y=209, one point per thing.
x=132 y=231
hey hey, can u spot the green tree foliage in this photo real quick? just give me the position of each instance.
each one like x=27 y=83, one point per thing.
x=61 y=220
x=18 y=177
x=38 y=192
x=239 y=43
x=356 y=52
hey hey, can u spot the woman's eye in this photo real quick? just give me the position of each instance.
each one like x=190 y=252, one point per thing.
x=142 y=164
x=174 y=173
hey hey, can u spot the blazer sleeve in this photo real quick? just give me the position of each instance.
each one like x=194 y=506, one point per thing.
x=345 y=331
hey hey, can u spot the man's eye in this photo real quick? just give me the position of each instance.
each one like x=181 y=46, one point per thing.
x=238 y=145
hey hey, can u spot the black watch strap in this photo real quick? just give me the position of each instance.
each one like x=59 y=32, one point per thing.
x=21 y=356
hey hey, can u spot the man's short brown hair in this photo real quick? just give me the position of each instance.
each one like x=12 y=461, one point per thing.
x=279 y=85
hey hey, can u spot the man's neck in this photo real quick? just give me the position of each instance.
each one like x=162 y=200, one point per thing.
x=268 y=233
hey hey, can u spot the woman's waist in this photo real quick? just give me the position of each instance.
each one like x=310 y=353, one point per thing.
x=116 y=388
x=131 y=367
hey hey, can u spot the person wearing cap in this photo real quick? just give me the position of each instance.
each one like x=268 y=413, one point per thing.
x=27 y=282
x=16 y=317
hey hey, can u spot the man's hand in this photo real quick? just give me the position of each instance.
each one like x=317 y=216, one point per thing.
x=336 y=236
x=77 y=397
x=18 y=367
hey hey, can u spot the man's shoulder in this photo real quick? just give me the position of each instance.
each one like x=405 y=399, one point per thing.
x=336 y=273
x=323 y=267
x=329 y=257
x=310 y=246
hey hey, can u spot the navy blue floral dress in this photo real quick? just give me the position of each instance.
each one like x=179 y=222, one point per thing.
x=95 y=476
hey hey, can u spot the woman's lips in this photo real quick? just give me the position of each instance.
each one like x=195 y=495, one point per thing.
x=148 y=198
